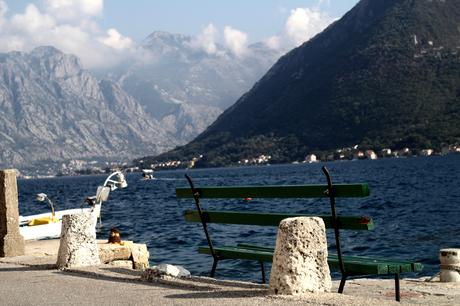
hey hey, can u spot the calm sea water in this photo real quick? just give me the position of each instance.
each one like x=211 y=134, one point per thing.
x=414 y=203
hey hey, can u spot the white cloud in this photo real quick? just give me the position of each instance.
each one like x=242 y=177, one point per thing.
x=115 y=40
x=236 y=41
x=273 y=42
x=70 y=25
x=206 y=40
x=3 y=10
x=74 y=33
x=74 y=9
x=304 y=23
x=31 y=22
x=301 y=25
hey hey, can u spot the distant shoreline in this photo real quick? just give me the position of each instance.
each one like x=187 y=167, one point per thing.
x=162 y=170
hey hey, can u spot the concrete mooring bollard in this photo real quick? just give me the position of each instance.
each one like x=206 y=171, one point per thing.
x=450 y=265
x=300 y=258
x=11 y=241
x=78 y=246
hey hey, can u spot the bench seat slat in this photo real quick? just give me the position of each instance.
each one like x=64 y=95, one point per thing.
x=286 y=191
x=415 y=267
x=354 y=265
x=387 y=266
x=255 y=247
x=230 y=252
x=273 y=219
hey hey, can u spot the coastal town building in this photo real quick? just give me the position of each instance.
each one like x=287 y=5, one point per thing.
x=311 y=158
x=370 y=154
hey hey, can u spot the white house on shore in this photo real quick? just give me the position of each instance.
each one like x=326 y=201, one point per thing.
x=370 y=154
x=386 y=152
x=311 y=158
x=426 y=152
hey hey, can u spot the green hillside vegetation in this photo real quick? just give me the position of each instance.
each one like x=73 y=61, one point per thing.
x=386 y=75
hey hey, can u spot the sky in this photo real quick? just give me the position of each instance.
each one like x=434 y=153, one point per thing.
x=102 y=32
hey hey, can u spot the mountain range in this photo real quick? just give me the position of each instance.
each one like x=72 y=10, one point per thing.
x=386 y=75
x=53 y=110
x=184 y=86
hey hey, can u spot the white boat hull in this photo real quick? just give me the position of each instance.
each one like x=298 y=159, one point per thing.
x=51 y=230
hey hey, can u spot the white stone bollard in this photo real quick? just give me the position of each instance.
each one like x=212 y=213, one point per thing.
x=450 y=265
x=300 y=258
x=78 y=247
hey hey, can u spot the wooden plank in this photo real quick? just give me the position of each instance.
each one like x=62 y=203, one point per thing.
x=287 y=191
x=227 y=252
x=255 y=247
x=387 y=266
x=358 y=265
x=354 y=265
x=273 y=219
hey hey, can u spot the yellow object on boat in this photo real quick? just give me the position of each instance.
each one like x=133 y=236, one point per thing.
x=42 y=220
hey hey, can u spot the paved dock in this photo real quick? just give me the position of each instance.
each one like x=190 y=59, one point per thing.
x=32 y=280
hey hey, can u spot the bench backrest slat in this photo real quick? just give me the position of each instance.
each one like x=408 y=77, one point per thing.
x=286 y=191
x=273 y=219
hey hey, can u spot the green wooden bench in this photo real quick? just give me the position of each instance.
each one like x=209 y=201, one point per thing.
x=348 y=266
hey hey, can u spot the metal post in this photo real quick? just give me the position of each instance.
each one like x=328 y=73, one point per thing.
x=214 y=266
x=397 y=288
x=342 y=283
x=196 y=197
x=330 y=193
x=263 y=272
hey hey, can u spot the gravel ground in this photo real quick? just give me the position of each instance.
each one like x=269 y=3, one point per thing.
x=32 y=280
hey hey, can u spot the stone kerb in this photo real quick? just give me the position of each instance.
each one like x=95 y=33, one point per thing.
x=78 y=246
x=300 y=258
x=128 y=254
x=11 y=241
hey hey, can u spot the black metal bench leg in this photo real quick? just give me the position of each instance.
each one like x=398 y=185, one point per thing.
x=342 y=283
x=397 y=288
x=214 y=266
x=263 y=272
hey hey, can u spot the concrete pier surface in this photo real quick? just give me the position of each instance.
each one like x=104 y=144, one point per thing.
x=32 y=279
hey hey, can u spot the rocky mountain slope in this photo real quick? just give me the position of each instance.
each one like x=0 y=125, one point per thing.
x=387 y=74
x=52 y=109
x=185 y=87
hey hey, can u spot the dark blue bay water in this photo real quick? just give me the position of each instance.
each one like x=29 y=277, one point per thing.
x=414 y=203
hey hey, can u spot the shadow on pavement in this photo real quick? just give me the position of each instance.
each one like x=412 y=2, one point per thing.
x=220 y=294
x=27 y=268
x=197 y=287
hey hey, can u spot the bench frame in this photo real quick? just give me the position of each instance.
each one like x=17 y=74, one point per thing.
x=330 y=192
